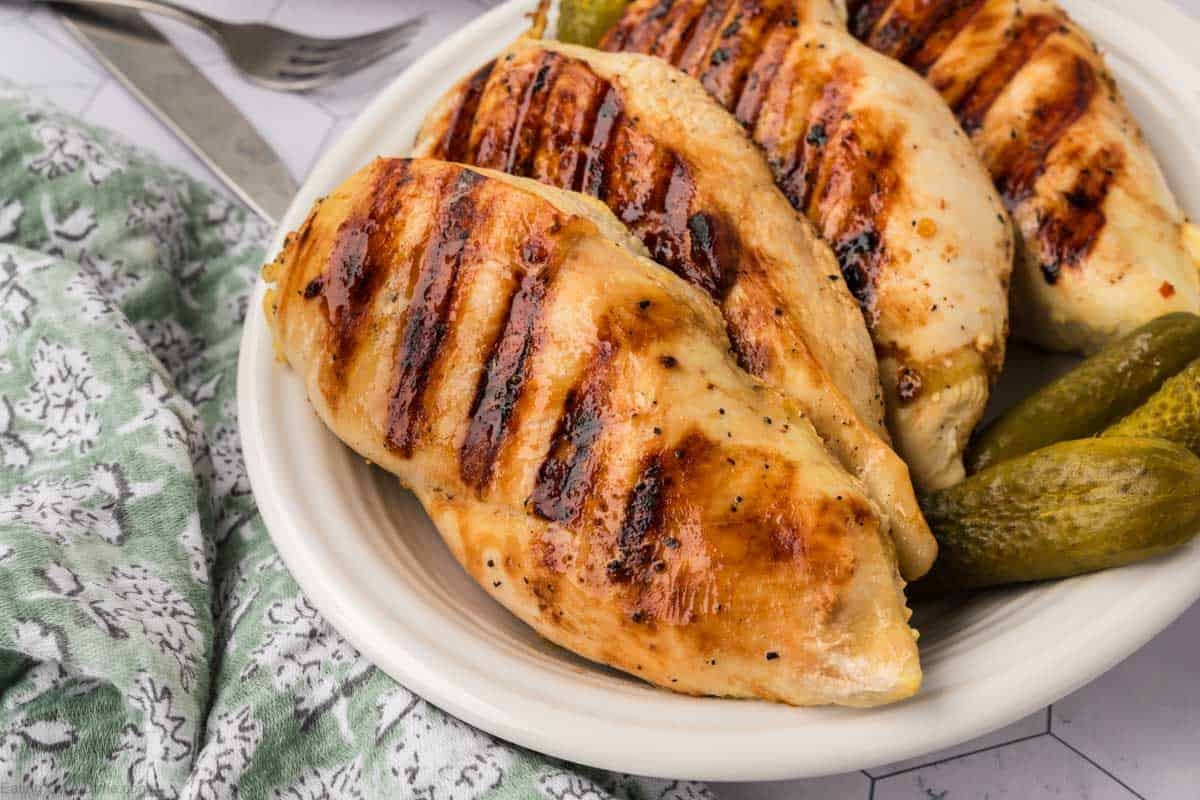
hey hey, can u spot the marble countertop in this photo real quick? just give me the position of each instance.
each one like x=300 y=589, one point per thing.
x=1133 y=733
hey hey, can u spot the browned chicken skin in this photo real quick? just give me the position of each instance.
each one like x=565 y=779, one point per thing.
x=1106 y=247
x=570 y=416
x=873 y=157
x=680 y=173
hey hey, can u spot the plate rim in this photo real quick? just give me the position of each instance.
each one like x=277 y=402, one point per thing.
x=693 y=755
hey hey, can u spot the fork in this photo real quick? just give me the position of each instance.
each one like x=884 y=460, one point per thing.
x=277 y=58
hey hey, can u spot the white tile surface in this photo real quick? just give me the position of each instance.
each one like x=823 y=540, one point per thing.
x=10 y=12
x=1035 y=768
x=48 y=25
x=1140 y=722
x=32 y=58
x=854 y=785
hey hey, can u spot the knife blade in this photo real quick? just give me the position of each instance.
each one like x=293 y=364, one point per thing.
x=193 y=108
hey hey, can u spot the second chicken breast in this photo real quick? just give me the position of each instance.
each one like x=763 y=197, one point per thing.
x=682 y=175
x=875 y=159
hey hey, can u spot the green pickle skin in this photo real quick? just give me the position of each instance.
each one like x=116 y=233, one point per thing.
x=1100 y=391
x=586 y=21
x=1172 y=413
x=1067 y=509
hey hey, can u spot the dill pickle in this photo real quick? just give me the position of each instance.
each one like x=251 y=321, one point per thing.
x=1173 y=412
x=586 y=21
x=1067 y=509
x=1098 y=392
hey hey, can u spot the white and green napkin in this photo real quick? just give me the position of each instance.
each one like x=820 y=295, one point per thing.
x=152 y=644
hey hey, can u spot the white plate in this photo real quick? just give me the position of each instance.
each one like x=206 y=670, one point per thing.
x=371 y=561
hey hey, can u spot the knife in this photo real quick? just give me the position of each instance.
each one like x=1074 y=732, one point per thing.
x=186 y=102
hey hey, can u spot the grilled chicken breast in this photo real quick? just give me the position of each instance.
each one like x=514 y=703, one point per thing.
x=1105 y=246
x=570 y=416
x=873 y=157
x=681 y=174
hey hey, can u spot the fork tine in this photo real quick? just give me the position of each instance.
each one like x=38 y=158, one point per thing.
x=318 y=45
x=398 y=38
x=300 y=79
x=305 y=61
x=302 y=75
x=343 y=67
x=380 y=38
x=290 y=78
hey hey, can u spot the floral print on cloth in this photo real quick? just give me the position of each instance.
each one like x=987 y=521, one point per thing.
x=152 y=644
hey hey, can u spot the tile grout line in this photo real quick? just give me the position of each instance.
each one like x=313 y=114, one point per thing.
x=87 y=107
x=320 y=102
x=1050 y=718
x=1088 y=759
x=948 y=759
x=871 y=787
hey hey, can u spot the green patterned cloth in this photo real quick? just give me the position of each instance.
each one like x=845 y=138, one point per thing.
x=152 y=644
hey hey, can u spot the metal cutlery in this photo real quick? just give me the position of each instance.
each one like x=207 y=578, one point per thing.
x=187 y=103
x=277 y=58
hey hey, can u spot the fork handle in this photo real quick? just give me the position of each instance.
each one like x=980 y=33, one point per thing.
x=163 y=7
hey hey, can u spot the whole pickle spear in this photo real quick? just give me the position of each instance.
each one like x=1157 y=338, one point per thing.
x=585 y=21
x=1064 y=510
x=1173 y=412
x=1095 y=394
